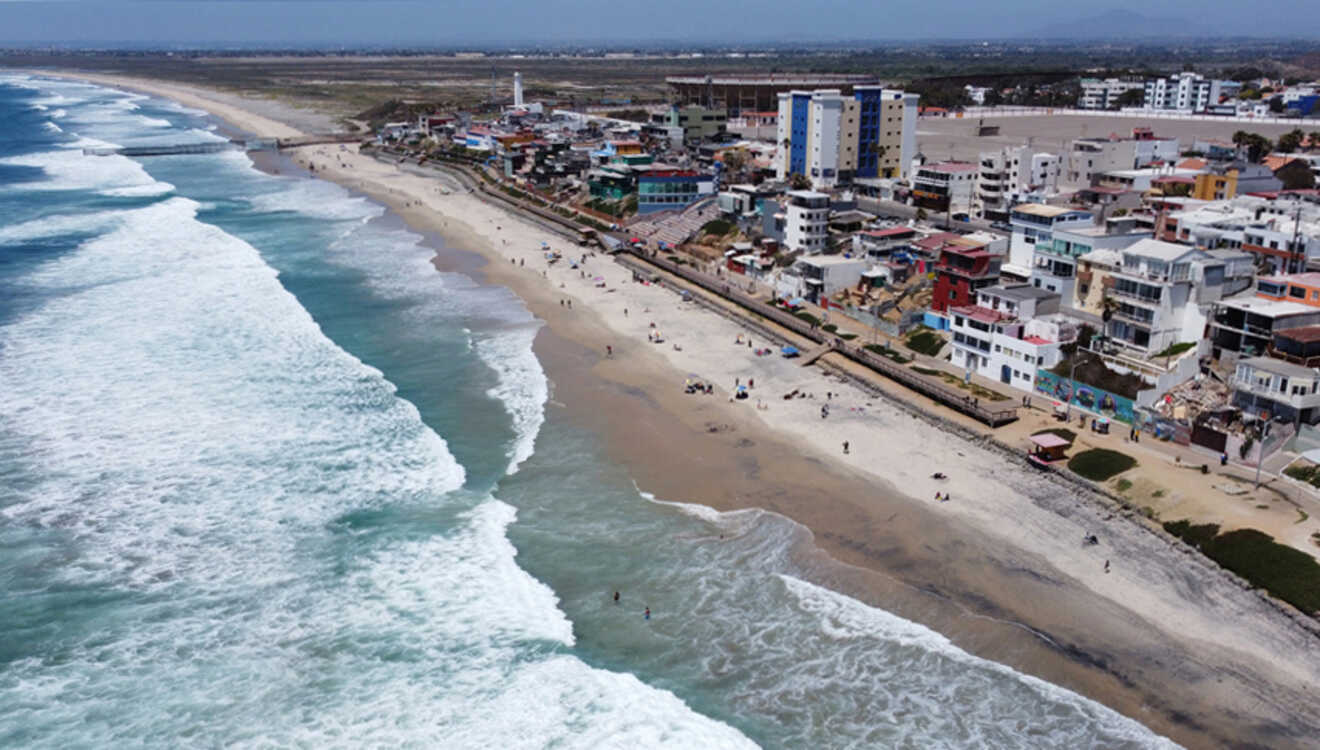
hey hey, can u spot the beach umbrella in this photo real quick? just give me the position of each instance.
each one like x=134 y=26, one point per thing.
x=789 y=351
x=797 y=302
x=599 y=278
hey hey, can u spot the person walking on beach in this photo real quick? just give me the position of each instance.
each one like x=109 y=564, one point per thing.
x=609 y=350
x=647 y=613
x=1106 y=566
x=845 y=447
x=616 y=597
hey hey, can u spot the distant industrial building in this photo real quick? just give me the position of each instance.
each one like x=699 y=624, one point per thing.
x=739 y=94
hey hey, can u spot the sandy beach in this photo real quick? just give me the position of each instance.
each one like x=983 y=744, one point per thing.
x=1163 y=637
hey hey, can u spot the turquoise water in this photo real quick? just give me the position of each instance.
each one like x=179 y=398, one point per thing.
x=271 y=480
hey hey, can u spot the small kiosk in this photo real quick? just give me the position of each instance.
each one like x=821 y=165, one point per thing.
x=1047 y=449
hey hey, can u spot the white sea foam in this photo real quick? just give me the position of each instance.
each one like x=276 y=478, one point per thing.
x=521 y=385
x=1057 y=717
x=56 y=226
x=323 y=200
x=70 y=169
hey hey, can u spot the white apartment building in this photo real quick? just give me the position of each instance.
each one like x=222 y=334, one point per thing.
x=1009 y=333
x=1055 y=263
x=1098 y=94
x=835 y=139
x=806 y=221
x=1090 y=157
x=1185 y=92
x=1282 y=234
x=1286 y=391
x=1160 y=295
x=1035 y=223
x=1008 y=174
x=819 y=277
x=945 y=186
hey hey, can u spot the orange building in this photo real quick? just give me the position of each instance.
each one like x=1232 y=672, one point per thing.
x=1299 y=287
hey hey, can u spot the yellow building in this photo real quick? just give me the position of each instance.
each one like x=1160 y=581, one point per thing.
x=1215 y=187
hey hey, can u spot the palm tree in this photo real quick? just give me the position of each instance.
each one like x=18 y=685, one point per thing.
x=1240 y=139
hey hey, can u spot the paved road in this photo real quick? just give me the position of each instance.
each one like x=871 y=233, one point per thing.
x=896 y=210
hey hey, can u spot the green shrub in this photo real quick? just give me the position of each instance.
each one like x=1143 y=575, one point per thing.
x=1174 y=350
x=1285 y=572
x=890 y=353
x=808 y=317
x=1099 y=464
x=847 y=336
x=925 y=342
x=829 y=328
x=717 y=227
x=926 y=371
x=1123 y=485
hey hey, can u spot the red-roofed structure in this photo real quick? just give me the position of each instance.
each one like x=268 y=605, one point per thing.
x=961 y=272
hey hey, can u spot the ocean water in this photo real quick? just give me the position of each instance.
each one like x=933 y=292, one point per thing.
x=269 y=479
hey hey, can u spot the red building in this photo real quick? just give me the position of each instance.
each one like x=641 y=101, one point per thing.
x=962 y=270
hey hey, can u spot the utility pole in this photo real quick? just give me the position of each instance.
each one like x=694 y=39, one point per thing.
x=1261 y=434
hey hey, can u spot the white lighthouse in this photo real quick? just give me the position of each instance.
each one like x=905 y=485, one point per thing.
x=517 y=90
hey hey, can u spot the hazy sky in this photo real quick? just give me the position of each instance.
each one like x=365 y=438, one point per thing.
x=455 y=22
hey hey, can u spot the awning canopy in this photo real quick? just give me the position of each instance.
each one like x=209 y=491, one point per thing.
x=1049 y=440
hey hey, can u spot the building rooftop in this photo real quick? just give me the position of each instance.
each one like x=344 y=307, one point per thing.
x=890 y=232
x=1040 y=209
x=1019 y=292
x=951 y=167
x=1103 y=256
x=1278 y=367
x=1303 y=335
x=1305 y=279
x=1268 y=307
x=807 y=194
x=981 y=314
x=1159 y=250
x=820 y=261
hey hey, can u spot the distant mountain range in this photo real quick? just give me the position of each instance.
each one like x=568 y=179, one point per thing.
x=1120 y=24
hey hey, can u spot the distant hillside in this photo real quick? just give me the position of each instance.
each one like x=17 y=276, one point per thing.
x=1122 y=24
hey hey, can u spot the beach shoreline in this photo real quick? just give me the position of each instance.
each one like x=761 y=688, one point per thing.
x=997 y=570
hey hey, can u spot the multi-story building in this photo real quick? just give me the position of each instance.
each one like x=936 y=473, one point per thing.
x=1277 y=390
x=1185 y=92
x=1159 y=293
x=663 y=189
x=962 y=271
x=1089 y=157
x=1009 y=333
x=1007 y=174
x=1098 y=94
x=818 y=277
x=697 y=122
x=1034 y=223
x=759 y=93
x=834 y=138
x=1244 y=326
x=945 y=186
x=806 y=221
x=1055 y=263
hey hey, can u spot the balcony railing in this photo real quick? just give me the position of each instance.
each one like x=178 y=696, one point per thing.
x=1132 y=294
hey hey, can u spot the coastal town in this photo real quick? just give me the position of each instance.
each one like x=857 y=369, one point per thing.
x=1043 y=377
x=1131 y=302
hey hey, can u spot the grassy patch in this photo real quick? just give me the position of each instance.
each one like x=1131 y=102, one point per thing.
x=890 y=353
x=808 y=317
x=925 y=342
x=829 y=328
x=847 y=336
x=1099 y=464
x=1304 y=471
x=1092 y=371
x=1062 y=432
x=1157 y=493
x=926 y=370
x=1123 y=485
x=1289 y=574
x=717 y=227
x=1174 y=350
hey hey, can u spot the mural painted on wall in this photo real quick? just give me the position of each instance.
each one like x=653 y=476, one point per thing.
x=1087 y=397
